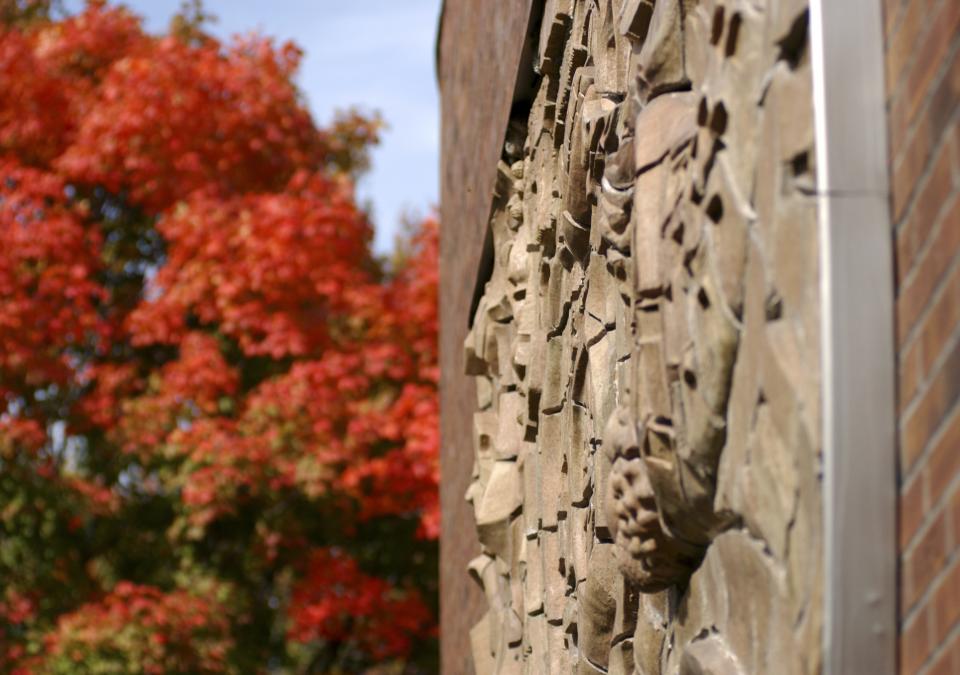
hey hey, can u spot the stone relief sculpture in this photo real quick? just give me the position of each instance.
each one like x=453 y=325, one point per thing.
x=647 y=481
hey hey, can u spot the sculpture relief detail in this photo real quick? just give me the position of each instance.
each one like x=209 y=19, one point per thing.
x=647 y=481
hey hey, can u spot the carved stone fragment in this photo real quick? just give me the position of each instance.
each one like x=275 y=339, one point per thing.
x=647 y=481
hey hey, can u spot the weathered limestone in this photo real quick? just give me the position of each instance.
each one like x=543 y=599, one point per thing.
x=647 y=483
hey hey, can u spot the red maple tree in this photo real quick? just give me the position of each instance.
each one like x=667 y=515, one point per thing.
x=218 y=423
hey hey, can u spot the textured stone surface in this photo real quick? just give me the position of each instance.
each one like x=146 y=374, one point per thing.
x=647 y=485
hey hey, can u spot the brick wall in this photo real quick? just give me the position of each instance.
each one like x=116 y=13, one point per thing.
x=923 y=88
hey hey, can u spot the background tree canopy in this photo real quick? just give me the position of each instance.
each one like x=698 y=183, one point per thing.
x=218 y=412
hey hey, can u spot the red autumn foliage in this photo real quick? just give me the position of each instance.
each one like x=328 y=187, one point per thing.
x=270 y=269
x=48 y=290
x=33 y=121
x=81 y=49
x=336 y=602
x=218 y=410
x=175 y=118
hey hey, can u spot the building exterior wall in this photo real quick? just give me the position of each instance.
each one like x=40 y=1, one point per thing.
x=478 y=51
x=923 y=87
x=922 y=66
x=646 y=350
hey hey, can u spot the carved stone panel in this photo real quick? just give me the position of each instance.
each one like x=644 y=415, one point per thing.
x=647 y=479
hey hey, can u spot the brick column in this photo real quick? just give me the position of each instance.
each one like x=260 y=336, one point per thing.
x=923 y=87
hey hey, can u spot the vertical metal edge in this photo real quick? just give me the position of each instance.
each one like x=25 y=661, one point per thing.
x=857 y=332
x=826 y=308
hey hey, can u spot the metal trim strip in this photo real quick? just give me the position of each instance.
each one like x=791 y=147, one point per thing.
x=858 y=352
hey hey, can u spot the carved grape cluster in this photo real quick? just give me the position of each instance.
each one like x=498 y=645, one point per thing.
x=648 y=554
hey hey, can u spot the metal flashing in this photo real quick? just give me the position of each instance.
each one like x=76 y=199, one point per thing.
x=859 y=361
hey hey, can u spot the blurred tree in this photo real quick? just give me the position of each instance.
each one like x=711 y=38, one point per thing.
x=26 y=12
x=218 y=412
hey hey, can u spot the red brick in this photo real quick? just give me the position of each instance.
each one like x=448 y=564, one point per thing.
x=908 y=169
x=936 y=188
x=931 y=200
x=930 y=56
x=927 y=559
x=941 y=323
x=915 y=643
x=946 y=604
x=930 y=128
x=891 y=17
x=945 y=100
x=944 y=463
x=956 y=134
x=905 y=253
x=955 y=509
x=935 y=402
x=903 y=44
x=911 y=511
x=905 y=587
x=948 y=661
x=922 y=70
x=909 y=375
x=941 y=105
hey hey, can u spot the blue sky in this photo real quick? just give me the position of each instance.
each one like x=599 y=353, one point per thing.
x=375 y=54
